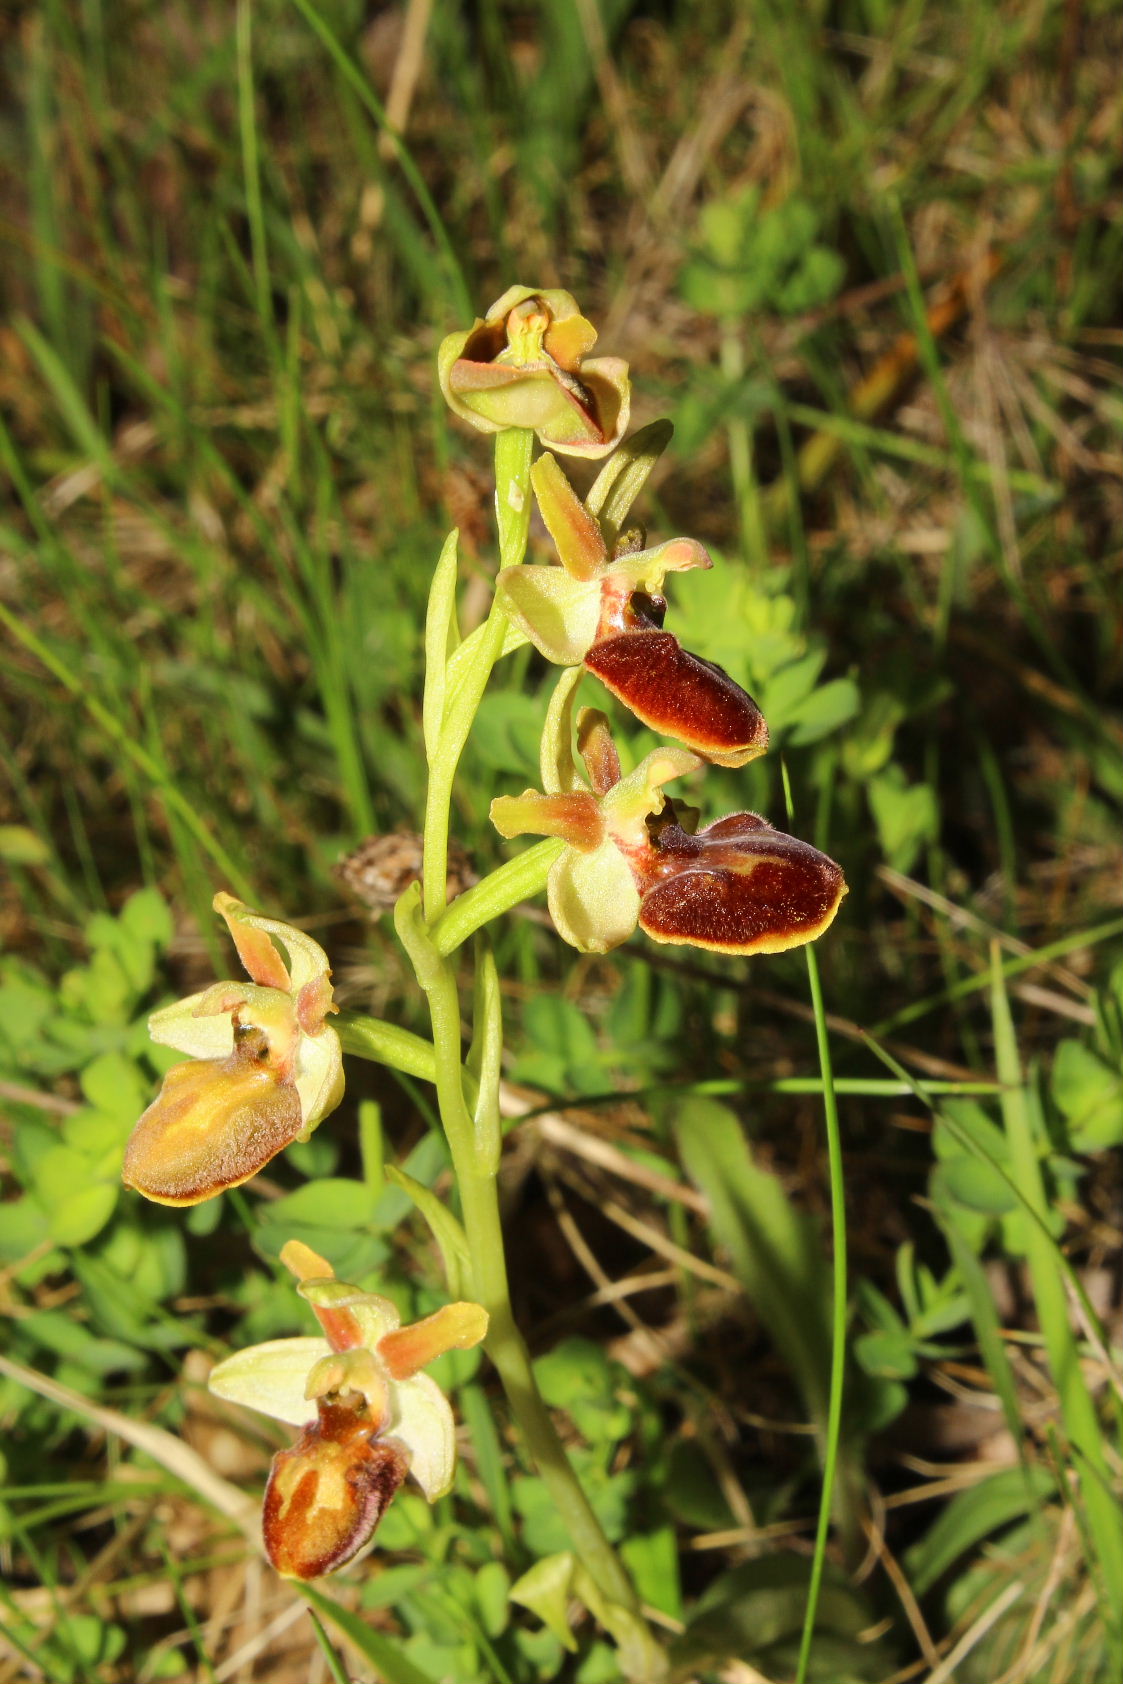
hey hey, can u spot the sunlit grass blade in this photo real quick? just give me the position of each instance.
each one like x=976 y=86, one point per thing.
x=1078 y=1411
x=117 y=733
x=1011 y=967
x=1030 y=1210
x=381 y=1651
x=838 y=1313
x=454 y=276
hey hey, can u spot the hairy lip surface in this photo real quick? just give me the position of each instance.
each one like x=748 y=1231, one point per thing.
x=680 y=694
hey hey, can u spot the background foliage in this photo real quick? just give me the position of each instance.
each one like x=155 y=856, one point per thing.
x=865 y=257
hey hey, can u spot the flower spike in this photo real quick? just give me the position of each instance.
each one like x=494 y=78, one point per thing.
x=369 y=1417
x=606 y=612
x=265 y=1067
x=525 y=365
x=737 y=886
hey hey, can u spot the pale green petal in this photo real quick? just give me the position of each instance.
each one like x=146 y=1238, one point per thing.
x=319 y=1076
x=271 y=1378
x=647 y=569
x=627 y=806
x=203 y=1037
x=559 y=770
x=593 y=900
x=558 y=614
x=421 y=1418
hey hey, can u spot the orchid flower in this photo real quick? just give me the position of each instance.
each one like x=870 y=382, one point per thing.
x=368 y=1416
x=737 y=886
x=607 y=612
x=525 y=365
x=265 y=1068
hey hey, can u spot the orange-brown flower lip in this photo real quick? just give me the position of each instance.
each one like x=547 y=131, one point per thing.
x=327 y=1494
x=213 y=1124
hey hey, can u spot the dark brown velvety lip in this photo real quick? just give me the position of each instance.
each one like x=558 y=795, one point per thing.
x=306 y=1537
x=788 y=895
x=681 y=695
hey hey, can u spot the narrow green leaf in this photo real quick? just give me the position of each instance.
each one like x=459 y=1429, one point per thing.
x=985 y=1319
x=972 y=1516
x=624 y=476
x=776 y=1250
x=1078 y=1411
x=443 y=1226
x=381 y=1651
x=479 y=1418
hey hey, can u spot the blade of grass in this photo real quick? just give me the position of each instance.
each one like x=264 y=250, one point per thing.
x=1011 y=967
x=113 y=728
x=247 y=126
x=459 y=296
x=374 y=1646
x=838 y=1316
x=970 y=1144
x=1078 y=1411
x=198 y=1636
x=164 y=1448
x=334 y=1664
x=907 y=449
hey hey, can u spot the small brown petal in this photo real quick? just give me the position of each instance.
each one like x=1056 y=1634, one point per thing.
x=681 y=695
x=597 y=750
x=327 y=1494
x=739 y=887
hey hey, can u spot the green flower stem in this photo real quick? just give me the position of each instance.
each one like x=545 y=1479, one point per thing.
x=475 y=1164
x=473 y=1156
x=385 y=1043
x=479 y=1203
x=515 y=881
x=513 y=451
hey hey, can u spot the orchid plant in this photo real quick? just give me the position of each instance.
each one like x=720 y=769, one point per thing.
x=265 y=1057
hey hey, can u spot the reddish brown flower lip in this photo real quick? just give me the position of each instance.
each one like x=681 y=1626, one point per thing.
x=326 y=1495
x=681 y=695
x=738 y=887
